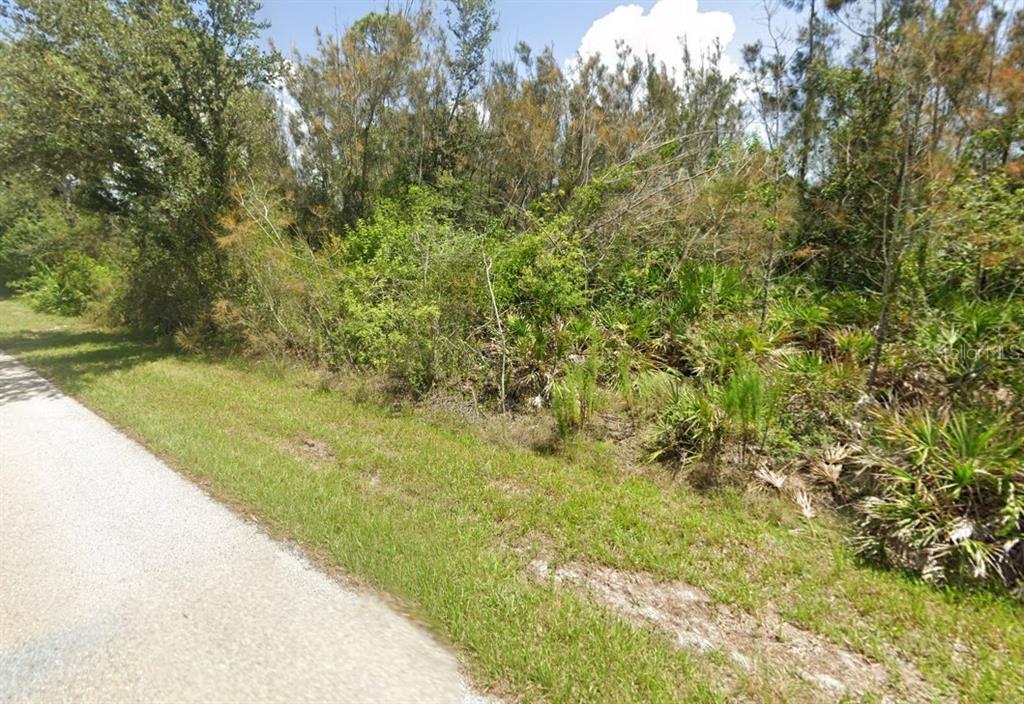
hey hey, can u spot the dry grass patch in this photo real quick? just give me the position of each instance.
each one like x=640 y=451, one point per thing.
x=311 y=449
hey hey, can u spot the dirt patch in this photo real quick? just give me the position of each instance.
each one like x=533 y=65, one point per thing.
x=311 y=449
x=510 y=487
x=754 y=644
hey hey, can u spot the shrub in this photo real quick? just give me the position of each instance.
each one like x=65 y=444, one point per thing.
x=947 y=498
x=541 y=273
x=982 y=243
x=66 y=288
x=691 y=426
x=652 y=390
x=372 y=297
x=850 y=307
x=698 y=421
x=854 y=344
x=800 y=317
x=573 y=399
x=696 y=288
x=810 y=366
x=169 y=284
x=32 y=231
x=972 y=345
x=37 y=231
x=716 y=348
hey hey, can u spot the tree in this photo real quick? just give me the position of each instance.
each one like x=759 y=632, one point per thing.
x=471 y=23
x=131 y=109
x=356 y=98
x=524 y=119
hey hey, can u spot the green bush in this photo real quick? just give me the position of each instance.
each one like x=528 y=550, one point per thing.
x=36 y=231
x=972 y=345
x=66 y=288
x=947 y=498
x=651 y=390
x=541 y=287
x=716 y=347
x=853 y=344
x=392 y=276
x=696 y=288
x=691 y=426
x=800 y=318
x=373 y=296
x=170 y=284
x=697 y=421
x=982 y=250
x=541 y=273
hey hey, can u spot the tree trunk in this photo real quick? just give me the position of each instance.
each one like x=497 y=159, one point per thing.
x=894 y=240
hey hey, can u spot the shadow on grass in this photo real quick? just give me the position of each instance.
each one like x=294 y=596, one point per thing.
x=71 y=358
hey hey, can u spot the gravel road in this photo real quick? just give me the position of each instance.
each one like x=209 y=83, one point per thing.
x=122 y=582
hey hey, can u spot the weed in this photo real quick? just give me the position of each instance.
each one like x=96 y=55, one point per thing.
x=573 y=398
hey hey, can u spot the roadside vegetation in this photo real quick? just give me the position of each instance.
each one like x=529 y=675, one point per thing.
x=766 y=330
x=451 y=517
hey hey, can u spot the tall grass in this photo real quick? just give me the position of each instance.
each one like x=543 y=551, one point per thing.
x=749 y=402
x=573 y=399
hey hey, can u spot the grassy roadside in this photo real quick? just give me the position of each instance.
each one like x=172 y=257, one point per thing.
x=429 y=510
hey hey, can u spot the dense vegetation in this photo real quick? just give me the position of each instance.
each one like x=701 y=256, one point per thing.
x=450 y=515
x=807 y=275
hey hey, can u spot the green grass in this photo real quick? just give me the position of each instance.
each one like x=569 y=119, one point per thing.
x=427 y=509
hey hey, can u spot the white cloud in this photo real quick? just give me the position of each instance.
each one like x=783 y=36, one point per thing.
x=660 y=32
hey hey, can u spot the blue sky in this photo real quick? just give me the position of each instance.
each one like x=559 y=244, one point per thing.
x=561 y=23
